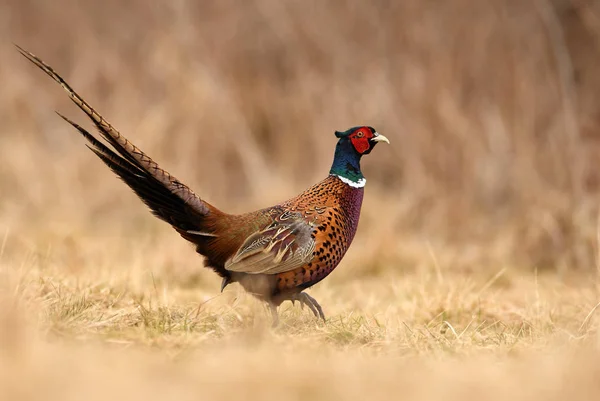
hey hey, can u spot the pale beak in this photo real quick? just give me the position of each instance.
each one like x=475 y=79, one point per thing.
x=379 y=138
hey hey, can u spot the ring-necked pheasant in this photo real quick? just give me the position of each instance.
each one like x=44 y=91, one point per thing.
x=274 y=253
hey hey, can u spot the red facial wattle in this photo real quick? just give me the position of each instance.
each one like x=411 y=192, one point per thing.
x=360 y=140
x=360 y=144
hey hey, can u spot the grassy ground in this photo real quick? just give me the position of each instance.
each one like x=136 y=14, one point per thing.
x=132 y=329
x=474 y=274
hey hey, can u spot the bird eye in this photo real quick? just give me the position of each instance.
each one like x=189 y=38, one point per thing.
x=360 y=134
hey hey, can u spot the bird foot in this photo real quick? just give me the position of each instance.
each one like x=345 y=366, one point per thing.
x=303 y=299
x=309 y=301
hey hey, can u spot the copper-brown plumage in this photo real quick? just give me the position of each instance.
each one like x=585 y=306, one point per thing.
x=274 y=253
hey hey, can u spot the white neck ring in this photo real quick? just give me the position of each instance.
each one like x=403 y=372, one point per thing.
x=354 y=184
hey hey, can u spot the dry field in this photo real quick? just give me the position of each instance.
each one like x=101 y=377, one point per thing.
x=475 y=272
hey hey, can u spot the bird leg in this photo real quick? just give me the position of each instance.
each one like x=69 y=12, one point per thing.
x=309 y=301
x=274 y=315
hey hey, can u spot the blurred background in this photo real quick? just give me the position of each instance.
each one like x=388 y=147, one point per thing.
x=492 y=109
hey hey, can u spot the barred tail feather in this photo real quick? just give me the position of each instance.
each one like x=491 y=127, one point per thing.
x=168 y=199
x=124 y=147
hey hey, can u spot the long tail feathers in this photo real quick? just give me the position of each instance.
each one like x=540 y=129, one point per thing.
x=136 y=178
x=137 y=160
x=168 y=198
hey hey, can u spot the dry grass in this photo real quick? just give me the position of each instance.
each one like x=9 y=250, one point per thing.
x=473 y=275
x=133 y=332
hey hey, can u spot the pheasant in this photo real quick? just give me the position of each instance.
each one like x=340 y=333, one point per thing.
x=274 y=253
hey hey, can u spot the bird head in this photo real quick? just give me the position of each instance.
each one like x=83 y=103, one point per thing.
x=363 y=139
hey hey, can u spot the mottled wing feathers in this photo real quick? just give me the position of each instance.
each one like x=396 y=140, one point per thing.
x=169 y=199
x=287 y=243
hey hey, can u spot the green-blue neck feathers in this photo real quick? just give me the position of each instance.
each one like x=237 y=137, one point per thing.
x=346 y=161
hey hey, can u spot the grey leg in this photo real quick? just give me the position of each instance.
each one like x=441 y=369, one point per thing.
x=274 y=315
